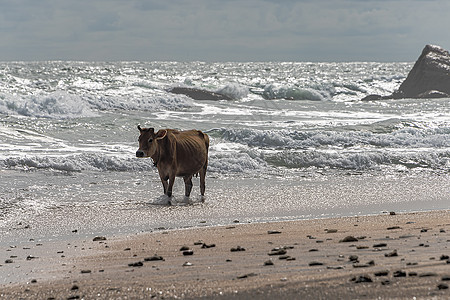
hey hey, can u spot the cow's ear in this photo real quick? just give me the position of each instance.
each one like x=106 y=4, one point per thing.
x=161 y=134
x=152 y=130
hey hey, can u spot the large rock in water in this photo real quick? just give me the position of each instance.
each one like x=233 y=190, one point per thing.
x=429 y=77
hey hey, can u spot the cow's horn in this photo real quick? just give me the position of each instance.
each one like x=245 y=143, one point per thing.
x=139 y=127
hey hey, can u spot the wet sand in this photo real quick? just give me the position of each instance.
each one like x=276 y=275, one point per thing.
x=396 y=256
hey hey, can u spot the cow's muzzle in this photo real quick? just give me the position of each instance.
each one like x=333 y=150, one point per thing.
x=140 y=153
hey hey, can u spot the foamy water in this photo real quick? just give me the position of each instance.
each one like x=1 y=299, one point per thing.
x=68 y=131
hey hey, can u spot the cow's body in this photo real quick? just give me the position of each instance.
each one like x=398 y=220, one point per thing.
x=176 y=154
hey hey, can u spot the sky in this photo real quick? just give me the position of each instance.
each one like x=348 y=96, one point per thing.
x=221 y=30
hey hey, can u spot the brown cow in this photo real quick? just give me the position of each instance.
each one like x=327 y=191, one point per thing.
x=176 y=153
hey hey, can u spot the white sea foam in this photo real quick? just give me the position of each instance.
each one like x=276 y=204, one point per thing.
x=54 y=105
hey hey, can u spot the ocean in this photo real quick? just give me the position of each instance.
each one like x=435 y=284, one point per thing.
x=294 y=142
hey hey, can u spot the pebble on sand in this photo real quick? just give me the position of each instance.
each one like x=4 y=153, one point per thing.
x=136 y=264
x=399 y=273
x=391 y=254
x=348 y=239
x=268 y=262
x=99 y=238
x=381 y=273
x=154 y=258
x=237 y=249
x=247 y=275
x=361 y=279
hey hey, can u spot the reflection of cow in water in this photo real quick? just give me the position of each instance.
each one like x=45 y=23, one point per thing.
x=176 y=153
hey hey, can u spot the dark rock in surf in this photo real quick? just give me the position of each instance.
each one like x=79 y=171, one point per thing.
x=429 y=77
x=198 y=94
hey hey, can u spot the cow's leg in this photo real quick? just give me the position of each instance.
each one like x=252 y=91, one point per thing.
x=164 y=183
x=202 y=179
x=170 y=186
x=187 y=185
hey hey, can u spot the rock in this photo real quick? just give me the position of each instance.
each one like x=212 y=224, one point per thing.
x=273 y=232
x=315 y=263
x=399 y=273
x=372 y=97
x=353 y=258
x=198 y=94
x=331 y=230
x=277 y=251
x=394 y=227
x=392 y=213
x=442 y=286
x=136 y=264
x=444 y=257
x=9 y=261
x=348 y=239
x=74 y=288
x=427 y=274
x=188 y=252
x=187 y=264
x=313 y=250
x=237 y=249
x=30 y=257
x=391 y=254
x=99 y=238
x=86 y=271
x=184 y=248
x=154 y=258
x=268 y=262
x=286 y=257
x=382 y=273
x=206 y=246
x=362 y=278
x=380 y=245
x=335 y=267
x=247 y=275
x=430 y=75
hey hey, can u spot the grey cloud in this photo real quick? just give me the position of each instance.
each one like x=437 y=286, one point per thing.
x=221 y=30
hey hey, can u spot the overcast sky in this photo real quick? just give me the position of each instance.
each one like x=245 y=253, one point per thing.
x=222 y=30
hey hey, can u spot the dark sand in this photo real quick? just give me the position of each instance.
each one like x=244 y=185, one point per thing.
x=402 y=255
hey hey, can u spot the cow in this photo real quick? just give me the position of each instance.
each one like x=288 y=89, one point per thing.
x=176 y=154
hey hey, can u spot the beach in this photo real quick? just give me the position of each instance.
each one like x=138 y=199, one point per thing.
x=386 y=256
x=296 y=163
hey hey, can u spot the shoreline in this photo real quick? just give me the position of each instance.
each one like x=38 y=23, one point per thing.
x=287 y=259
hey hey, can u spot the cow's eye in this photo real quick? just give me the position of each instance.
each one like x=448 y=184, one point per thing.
x=150 y=140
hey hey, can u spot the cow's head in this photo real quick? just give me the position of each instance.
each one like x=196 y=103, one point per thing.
x=148 y=141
